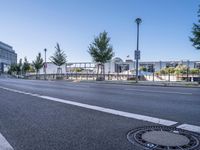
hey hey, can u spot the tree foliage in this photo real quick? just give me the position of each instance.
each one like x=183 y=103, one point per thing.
x=196 y=33
x=194 y=71
x=26 y=66
x=12 y=69
x=38 y=63
x=101 y=50
x=78 y=69
x=143 y=68
x=178 y=70
x=170 y=70
x=181 y=69
x=59 y=57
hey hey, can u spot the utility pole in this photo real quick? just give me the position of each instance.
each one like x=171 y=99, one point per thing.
x=137 y=52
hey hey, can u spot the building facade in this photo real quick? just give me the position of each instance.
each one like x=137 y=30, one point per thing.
x=158 y=65
x=117 y=65
x=7 y=56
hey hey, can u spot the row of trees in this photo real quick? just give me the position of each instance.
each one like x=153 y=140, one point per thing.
x=21 y=68
x=100 y=50
x=179 y=70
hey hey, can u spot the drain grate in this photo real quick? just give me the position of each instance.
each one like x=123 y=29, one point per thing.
x=164 y=138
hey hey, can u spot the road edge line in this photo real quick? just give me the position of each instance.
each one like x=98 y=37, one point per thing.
x=4 y=144
x=101 y=109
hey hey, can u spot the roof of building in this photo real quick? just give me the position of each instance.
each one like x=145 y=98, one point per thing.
x=6 y=46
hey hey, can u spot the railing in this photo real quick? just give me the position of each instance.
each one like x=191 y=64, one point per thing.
x=81 y=76
x=114 y=76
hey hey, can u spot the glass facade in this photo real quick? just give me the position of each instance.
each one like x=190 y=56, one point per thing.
x=7 y=56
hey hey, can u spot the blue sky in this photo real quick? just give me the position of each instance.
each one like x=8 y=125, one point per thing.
x=32 y=25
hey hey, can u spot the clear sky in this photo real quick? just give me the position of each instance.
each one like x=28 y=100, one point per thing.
x=32 y=25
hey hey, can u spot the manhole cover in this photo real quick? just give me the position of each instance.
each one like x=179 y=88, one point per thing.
x=164 y=138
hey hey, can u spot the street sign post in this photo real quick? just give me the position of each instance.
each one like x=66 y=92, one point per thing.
x=137 y=52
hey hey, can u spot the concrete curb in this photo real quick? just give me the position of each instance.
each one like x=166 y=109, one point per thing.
x=143 y=84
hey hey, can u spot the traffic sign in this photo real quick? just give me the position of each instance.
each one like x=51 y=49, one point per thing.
x=137 y=54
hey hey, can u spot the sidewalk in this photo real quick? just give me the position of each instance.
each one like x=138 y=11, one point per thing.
x=146 y=83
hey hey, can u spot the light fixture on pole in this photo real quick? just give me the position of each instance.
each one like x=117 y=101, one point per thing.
x=137 y=52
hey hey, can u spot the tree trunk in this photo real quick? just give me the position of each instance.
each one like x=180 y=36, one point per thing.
x=59 y=73
x=101 y=70
x=37 y=74
x=59 y=70
x=97 y=70
x=104 y=71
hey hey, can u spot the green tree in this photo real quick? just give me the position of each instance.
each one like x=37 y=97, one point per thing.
x=26 y=66
x=162 y=71
x=143 y=68
x=78 y=69
x=194 y=71
x=170 y=70
x=181 y=69
x=12 y=69
x=38 y=63
x=101 y=52
x=59 y=58
x=32 y=68
x=196 y=33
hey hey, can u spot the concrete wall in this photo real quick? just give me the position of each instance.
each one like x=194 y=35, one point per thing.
x=52 y=69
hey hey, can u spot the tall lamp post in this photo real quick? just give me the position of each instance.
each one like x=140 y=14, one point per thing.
x=45 y=65
x=137 y=52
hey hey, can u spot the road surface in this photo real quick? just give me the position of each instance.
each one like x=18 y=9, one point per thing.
x=59 y=115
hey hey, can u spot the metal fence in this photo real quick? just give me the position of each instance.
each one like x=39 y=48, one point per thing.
x=81 y=76
x=116 y=76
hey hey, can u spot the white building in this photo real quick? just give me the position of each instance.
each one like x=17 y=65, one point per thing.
x=52 y=69
x=117 y=65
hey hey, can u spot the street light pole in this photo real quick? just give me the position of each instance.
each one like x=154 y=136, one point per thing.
x=45 y=65
x=137 y=52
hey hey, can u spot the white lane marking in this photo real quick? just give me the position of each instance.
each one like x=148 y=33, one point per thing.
x=164 y=92
x=4 y=145
x=101 y=109
x=190 y=127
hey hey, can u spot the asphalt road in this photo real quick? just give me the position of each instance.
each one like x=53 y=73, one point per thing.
x=29 y=122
